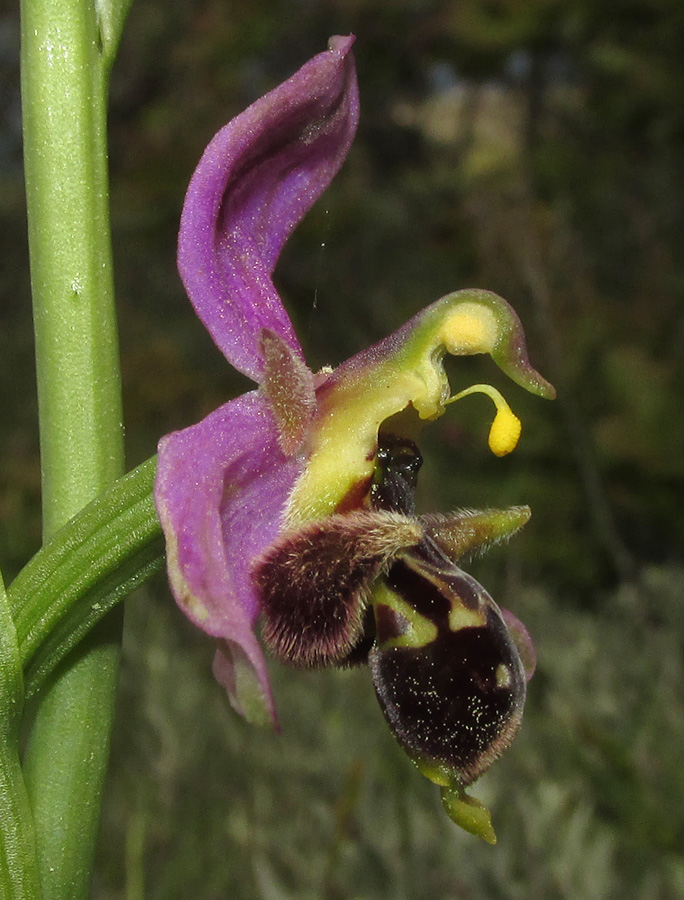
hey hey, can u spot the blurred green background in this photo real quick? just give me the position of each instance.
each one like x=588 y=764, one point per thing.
x=531 y=147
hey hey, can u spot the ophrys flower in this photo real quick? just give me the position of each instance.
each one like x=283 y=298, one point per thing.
x=295 y=501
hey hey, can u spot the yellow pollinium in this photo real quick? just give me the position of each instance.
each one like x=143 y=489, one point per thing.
x=470 y=328
x=405 y=370
x=504 y=433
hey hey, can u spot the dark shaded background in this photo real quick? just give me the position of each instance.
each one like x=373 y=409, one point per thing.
x=531 y=147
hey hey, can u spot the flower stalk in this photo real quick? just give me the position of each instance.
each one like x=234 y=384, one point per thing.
x=67 y=51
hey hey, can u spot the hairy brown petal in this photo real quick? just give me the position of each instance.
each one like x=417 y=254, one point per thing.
x=315 y=582
x=288 y=384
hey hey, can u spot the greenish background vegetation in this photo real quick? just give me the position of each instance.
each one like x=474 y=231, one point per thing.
x=531 y=147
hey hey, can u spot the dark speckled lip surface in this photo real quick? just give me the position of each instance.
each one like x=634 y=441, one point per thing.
x=450 y=701
x=458 y=699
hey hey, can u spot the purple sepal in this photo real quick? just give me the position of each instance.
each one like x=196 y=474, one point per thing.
x=523 y=642
x=256 y=180
x=220 y=492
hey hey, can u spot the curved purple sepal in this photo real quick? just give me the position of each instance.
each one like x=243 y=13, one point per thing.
x=256 y=180
x=523 y=642
x=220 y=492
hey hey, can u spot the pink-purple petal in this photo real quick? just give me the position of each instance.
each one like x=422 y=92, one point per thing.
x=523 y=642
x=256 y=180
x=220 y=492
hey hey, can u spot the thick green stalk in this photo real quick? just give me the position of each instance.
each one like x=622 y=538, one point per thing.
x=64 y=104
x=66 y=57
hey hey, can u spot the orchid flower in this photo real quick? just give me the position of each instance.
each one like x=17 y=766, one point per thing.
x=295 y=502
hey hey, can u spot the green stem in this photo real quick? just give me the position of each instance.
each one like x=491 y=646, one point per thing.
x=65 y=63
x=63 y=96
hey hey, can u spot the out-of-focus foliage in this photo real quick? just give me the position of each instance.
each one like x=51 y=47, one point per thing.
x=531 y=147
x=587 y=804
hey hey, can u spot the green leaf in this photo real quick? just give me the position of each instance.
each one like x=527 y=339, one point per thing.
x=111 y=18
x=111 y=547
x=19 y=878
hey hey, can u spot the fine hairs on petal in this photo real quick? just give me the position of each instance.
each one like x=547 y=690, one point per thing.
x=315 y=583
x=288 y=385
x=469 y=532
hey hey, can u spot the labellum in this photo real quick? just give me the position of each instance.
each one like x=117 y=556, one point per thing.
x=381 y=585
